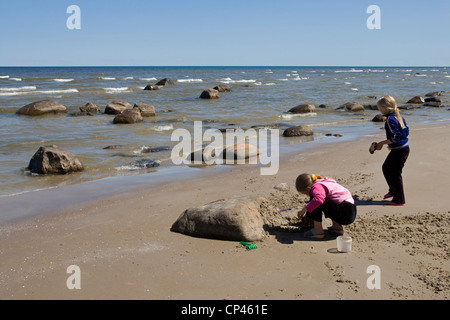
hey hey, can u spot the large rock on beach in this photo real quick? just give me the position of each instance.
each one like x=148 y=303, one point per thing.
x=165 y=82
x=298 y=131
x=240 y=151
x=210 y=94
x=236 y=219
x=53 y=160
x=42 y=107
x=117 y=107
x=128 y=116
x=303 y=108
x=146 y=110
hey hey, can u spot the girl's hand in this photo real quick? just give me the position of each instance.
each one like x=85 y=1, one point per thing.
x=379 y=146
x=301 y=213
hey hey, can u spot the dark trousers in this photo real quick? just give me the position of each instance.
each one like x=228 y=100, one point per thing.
x=392 y=170
x=344 y=213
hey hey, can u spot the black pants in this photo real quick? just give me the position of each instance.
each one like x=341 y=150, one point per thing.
x=392 y=170
x=344 y=213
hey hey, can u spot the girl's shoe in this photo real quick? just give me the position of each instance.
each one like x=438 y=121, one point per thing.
x=310 y=235
x=338 y=232
x=387 y=196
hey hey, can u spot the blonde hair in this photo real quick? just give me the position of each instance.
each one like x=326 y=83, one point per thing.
x=306 y=180
x=390 y=104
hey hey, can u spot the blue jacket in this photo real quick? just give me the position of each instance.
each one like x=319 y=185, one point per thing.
x=395 y=133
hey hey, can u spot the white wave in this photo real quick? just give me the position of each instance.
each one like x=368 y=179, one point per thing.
x=147 y=79
x=189 y=80
x=270 y=72
x=351 y=70
x=26 y=88
x=166 y=127
x=63 y=80
x=57 y=91
x=354 y=89
x=19 y=93
x=225 y=79
x=128 y=78
x=4 y=77
x=447 y=76
x=15 y=79
x=270 y=84
x=347 y=83
x=283 y=79
x=238 y=81
x=297 y=78
x=420 y=75
x=115 y=90
x=107 y=78
x=297 y=115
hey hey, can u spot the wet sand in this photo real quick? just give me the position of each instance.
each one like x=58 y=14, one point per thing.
x=124 y=248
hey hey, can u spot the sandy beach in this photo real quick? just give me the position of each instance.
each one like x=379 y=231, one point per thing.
x=125 y=249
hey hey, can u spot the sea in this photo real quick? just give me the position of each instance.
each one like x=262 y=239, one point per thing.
x=260 y=97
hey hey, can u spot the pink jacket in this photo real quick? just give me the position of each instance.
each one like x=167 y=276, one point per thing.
x=327 y=189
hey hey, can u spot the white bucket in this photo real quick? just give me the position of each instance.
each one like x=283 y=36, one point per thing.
x=344 y=243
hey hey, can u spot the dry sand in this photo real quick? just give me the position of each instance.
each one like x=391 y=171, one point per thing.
x=125 y=249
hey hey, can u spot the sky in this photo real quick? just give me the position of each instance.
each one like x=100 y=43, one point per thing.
x=224 y=33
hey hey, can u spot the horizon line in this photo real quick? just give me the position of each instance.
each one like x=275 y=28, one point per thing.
x=227 y=66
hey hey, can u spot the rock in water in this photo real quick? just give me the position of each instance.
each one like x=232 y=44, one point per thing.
x=298 y=131
x=117 y=107
x=303 y=108
x=128 y=116
x=236 y=219
x=222 y=88
x=416 y=99
x=146 y=110
x=53 y=160
x=151 y=87
x=165 y=82
x=42 y=107
x=352 y=106
x=210 y=94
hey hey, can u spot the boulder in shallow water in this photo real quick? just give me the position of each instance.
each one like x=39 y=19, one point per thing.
x=222 y=88
x=53 y=160
x=352 y=106
x=151 y=87
x=145 y=109
x=236 y=219
x=42 y=107
x=210 y=94
x=416 y=99
x=128 y=116
x=303 y=108
x=298 y=131
x=165 y=82
x=117 y=107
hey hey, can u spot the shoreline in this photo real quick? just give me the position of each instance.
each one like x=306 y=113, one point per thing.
x=125 y=249
x=77 y=193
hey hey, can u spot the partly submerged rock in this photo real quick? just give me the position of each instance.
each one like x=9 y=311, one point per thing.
x=53 y=160
x=42 y=107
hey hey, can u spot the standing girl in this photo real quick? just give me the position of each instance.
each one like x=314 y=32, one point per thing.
x=329 y=198
x=397 y=140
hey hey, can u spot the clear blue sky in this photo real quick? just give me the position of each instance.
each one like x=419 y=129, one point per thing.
x=226 y=33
